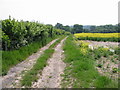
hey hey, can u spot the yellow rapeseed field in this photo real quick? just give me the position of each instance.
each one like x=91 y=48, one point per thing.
x=102 y=35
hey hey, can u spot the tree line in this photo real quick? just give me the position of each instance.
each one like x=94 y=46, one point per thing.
x=76 y=28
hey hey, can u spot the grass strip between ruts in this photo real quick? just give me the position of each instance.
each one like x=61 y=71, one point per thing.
x=31 y=75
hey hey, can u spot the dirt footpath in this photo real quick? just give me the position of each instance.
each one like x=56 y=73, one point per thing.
x=50 y=77
x=14 y=75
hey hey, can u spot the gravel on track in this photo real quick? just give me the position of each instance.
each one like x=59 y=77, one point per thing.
x=13 y=77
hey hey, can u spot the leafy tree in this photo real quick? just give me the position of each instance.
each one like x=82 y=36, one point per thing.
x=67 y=28
x=92 y=28
x=78 y=28
x=59 y=26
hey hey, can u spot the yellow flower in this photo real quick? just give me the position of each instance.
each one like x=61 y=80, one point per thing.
x=102 y=35
x=83 y=51
x=105 y=49
x=83 y=44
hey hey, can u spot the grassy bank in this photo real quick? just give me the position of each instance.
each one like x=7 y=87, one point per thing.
x=11 y=58
x=80 y=71
x=31 y=75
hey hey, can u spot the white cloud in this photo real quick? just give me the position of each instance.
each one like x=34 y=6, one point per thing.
x=67 y=12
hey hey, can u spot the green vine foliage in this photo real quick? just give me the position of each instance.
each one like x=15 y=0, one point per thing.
x=16 y=34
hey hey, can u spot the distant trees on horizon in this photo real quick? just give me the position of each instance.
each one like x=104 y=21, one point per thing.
x=76 y=28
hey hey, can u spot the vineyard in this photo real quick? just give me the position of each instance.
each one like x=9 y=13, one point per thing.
x=36 y=55
x=20 y=33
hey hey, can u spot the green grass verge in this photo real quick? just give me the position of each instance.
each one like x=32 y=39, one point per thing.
x=11 y=58
x=31 y=75
x=100 y=39
x=81 y=68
